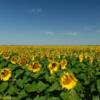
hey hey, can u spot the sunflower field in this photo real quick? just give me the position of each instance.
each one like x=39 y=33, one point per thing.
x=49 y=73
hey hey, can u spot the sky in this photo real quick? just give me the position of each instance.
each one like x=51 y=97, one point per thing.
x=49 y=22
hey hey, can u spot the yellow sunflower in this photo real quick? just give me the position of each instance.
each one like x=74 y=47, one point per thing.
x=14 y=59
x=63 y=64
x=81 y=57
x=53 y=67
x=23 y=60
x=6 y=54
x=50 y=58
x=91 y=59
x=68 y=81
x=5 y=74
x=35 y=67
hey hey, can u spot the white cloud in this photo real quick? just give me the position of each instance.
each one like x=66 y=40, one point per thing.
x=62 y=33
x=72 y=33
x=36 y=10
x=49 y=33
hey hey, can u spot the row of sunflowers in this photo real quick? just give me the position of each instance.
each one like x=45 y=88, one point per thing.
x=28 y=73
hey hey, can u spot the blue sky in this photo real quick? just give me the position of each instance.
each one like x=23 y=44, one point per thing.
x=50 y=22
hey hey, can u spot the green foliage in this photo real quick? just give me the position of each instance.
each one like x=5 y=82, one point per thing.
x=3 y=86
x=30 y=87
x=12 y=90
x=27 y=85
x=98 y=85
x=53 y=87
x=70 y=95
x=96 y=98
x=40 y=98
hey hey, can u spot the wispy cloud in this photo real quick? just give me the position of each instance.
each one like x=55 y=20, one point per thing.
x=49 y=33
x=71 y=33
x=36 y=10
x=63 y=33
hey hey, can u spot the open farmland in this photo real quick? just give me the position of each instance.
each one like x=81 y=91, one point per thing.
x=50 y=72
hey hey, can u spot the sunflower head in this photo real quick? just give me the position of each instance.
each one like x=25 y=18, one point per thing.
x=50 y=58
x=53 y=67
x=14 y=59
x=22 y=60
x=63 y=64
x=5 y=74
x=6 y=54
x=32 y=58
x=91 y=59
x=35 y=67
x=68 y=81
x=81 y=57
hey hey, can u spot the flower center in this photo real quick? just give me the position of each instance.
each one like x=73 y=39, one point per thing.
x=35 y=66
x=5 y=73
x=23 y=61
x=5 y=54
x=14 y=58
x=67 y=80
x=63 y=63
x=53 y=65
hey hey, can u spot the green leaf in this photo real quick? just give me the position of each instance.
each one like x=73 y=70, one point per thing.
x=38 y=87
x=22 y=94
x=82 y=76
x=26 y=79
x=40 y=98
x=53 y=98
x=98 y=85
x=27 y=99
x=3 y=86
x=4 y=63
x=35 y=75
x=54 y=87
x=1 y=66
x=93 y=89
x=20 y=83
x=73 y=95
x=41 y=86
x=49 y=78
x=18 y=72
x=69 y=95
x=12 y=66
x=12 y=90
x=30 y=87
x=64 y=95
x=1 y=58
x=6 y=97
x=1 y=97
x=95 y=98
x=97 y=73
x=27 y=73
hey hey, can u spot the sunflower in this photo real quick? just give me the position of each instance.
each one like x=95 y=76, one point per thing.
x=14 y=59
x=5 y=74
x=81 y=57
x=53 y=67
x=63 y=64
x=68 y=81
x=35 y=67
x=23 y=60
x=32 y=58
x=6 y=54
x=91 y=59
x=50 y=58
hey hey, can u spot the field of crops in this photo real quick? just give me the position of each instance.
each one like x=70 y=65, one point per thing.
x=49 y=72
